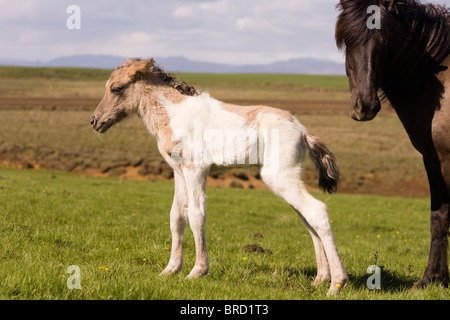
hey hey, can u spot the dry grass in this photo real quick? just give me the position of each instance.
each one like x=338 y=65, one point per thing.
x=374 y=157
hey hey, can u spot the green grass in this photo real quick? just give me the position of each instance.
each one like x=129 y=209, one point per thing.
x=51 y=220
x=264 y=80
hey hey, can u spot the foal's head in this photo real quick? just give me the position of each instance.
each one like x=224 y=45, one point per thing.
x=122 y=96
x=127 y=88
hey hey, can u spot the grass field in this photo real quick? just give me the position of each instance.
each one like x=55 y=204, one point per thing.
x=117 y=232
x=116 y=228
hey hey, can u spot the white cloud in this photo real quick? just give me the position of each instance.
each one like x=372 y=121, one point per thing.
x=136 y=38
x=234 y=31
x=183 y=12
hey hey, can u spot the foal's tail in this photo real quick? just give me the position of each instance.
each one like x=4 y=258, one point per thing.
x=325 y=162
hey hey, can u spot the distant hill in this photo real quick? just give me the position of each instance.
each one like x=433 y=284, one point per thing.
x=181 y=64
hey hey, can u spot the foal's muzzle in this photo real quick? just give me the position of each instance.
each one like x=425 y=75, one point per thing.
x=100 y=126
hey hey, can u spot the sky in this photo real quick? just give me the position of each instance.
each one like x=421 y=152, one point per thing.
x=224 y=31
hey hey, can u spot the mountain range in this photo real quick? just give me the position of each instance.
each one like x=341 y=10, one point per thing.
x=181 y=64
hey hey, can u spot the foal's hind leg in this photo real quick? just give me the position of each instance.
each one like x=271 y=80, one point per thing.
x=323 y=268
x=315 y=216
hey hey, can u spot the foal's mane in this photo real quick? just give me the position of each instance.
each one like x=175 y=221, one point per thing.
x=166 y=77
x=427 y=24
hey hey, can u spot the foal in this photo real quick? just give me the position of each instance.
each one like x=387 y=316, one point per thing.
x=195 y=132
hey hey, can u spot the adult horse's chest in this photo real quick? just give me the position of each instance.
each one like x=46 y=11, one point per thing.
x=441 y=124
x=426 y=114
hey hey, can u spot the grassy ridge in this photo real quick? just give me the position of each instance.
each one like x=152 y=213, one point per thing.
x=78 y=74
x=64 y=82
x=117 y=232
x=324 y=82
x=88 y=74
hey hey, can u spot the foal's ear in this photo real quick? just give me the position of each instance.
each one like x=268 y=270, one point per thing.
x=140 y=68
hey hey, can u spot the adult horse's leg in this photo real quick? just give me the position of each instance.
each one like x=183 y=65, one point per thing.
x=195 y=179
x=437 y=267
x=178 y=221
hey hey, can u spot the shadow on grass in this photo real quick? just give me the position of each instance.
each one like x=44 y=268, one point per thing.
x=391 y=281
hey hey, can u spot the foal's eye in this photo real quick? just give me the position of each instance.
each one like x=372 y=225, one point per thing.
x=116 y=90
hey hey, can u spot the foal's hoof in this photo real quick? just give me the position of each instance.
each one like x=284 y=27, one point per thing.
x=335 y=289
x=197 y=272
x=320 y=279
x=169 y=270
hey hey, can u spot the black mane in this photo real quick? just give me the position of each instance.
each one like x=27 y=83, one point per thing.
x=417 y=35
x=425 y=22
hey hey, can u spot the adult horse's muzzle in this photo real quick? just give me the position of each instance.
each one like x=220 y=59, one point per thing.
x=365 y=111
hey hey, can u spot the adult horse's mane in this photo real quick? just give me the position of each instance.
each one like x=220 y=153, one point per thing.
x=417 y=35
x=166 y=77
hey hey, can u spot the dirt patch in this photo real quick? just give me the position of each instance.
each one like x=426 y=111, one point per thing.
x=100 y=164
x=89 y=104
x=256 y=248
x=93 y=163
x=27 y=103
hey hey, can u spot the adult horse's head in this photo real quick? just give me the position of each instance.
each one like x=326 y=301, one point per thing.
x=359 y=31
x=122 y=94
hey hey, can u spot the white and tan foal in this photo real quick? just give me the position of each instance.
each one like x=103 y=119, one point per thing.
x=195 y=132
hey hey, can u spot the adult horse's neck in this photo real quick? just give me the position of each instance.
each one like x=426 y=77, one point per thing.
x=416 y=107
x=411 y=82
x=418 y=47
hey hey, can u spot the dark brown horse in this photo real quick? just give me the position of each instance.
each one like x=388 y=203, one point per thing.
x=405 y=60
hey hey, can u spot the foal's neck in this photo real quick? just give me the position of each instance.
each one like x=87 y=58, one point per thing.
x=151 y=108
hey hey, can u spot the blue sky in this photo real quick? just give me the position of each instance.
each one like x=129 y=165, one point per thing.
x=225 y=31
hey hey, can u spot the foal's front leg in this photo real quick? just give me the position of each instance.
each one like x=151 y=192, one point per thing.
x=178 y=221
x=195 y=179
